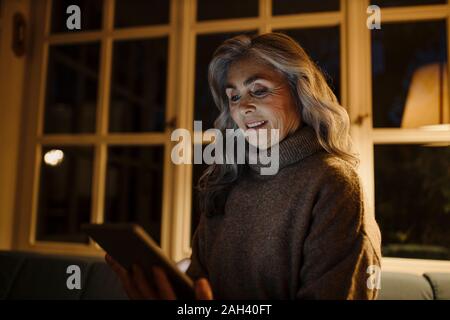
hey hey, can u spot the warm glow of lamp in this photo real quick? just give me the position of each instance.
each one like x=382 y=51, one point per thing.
x=54 y=157
x=427 y=102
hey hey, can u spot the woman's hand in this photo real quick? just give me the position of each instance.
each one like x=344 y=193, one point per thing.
x=137 y=287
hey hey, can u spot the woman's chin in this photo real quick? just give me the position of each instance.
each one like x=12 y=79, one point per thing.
x=263 y=142
x=262 y=138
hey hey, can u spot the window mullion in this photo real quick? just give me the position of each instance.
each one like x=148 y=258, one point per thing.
x=359 y=92
x=181 y=195
x=101 y=147
x=265 y=15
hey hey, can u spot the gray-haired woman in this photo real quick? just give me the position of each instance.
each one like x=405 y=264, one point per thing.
x=302 y=233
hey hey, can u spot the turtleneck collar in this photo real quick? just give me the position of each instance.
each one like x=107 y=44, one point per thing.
x=300 y=144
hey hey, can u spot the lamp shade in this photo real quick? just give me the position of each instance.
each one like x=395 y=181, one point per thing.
x=427 y=102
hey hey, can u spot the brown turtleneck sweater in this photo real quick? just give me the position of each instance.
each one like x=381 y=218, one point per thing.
x=300 y=234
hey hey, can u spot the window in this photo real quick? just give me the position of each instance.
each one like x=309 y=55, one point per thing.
x=134 y=187
x=92 y=14
x=71 y=89
x=100 y=138
x=215 y=10
x=324 y=52
x=284 y=7
x=65 y=193
x=103 y=101
x=138 y=85
x=409 y=77
x=412 y=192
x=141 y=13
x=411 y=130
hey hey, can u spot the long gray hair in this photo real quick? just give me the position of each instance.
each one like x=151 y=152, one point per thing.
x=318 y=106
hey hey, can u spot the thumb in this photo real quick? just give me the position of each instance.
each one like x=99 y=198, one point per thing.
x=203 y=290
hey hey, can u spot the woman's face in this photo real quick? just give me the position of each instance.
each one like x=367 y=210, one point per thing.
x=259 y=98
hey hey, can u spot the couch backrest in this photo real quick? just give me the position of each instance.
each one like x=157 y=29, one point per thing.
x=26 y=275
x=440 y=282
x=35 y=276
x=404 y=286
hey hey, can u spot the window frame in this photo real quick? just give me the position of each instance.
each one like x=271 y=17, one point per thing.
x=182 y=31
x=383 y=136
x=34 y=138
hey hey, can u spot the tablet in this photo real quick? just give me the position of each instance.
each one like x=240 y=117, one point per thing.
x=129 y=244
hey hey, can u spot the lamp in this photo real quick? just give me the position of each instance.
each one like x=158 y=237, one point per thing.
x=427 y=103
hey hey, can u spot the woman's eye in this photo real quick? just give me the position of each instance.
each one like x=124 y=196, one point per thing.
x=259 y=92
x=234 y=98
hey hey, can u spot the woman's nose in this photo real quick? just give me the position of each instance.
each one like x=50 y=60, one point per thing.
x=247 y=106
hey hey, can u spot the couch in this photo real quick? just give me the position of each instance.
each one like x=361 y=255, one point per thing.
x=25 y=275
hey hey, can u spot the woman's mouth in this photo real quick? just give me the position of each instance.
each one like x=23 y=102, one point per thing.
x=256 y=124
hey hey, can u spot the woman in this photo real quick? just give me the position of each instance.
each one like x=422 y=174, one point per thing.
x=302 y=233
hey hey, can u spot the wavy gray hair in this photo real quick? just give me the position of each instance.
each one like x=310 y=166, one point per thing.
x=316 y=102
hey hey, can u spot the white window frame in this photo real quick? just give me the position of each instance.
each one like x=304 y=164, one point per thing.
x=356 y=96
x=360 y=105
x=100 y=139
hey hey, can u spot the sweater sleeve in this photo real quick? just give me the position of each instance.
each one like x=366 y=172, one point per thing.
x=197 y=267
x=338 y=248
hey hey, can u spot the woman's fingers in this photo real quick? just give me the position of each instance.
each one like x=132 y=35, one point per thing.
x=163 y=284
x=203 y=290
x=124 y=276
x=137 y=286
x=142 y=284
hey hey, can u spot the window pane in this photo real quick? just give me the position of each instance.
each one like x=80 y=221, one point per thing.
x=216 y=9
x=205 y=108
x=141 y=12
x=91 y=15
x=323 y=46
x=303 y=6
x=138 y=85
x=412 y=194
x=72 y=83
x=394 y=3
x=134 y=187
x=64 y=193
x=197 y=171
x=409 y=74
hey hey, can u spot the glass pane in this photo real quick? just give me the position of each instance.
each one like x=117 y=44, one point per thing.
x=205 y=108
x=72 y=83
x=138 y=86
x=323 y=46
x=303 y=6
x=197 y=171
x=141 y=12
x=409 y=74
x=217 y=9
x=134 y=187
x=394 y=3
x=412 y=194
x=91 y=15
x=64 y=193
